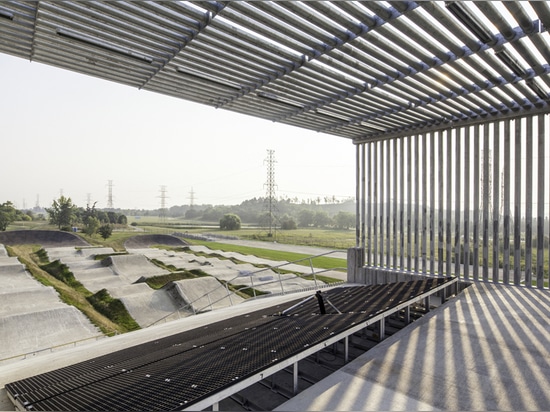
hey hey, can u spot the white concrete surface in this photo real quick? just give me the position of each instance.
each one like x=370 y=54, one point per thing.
x=135 y=267
x=204 y=294
x=487 y=350
x=14 y=276
x=144 y=304
x=32 y=317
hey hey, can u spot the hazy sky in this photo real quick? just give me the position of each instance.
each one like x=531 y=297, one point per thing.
x=68 y=133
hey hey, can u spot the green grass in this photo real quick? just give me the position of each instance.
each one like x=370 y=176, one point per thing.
x=158 y=282
x=322 y=262
x=113 y=309
x=246 y=291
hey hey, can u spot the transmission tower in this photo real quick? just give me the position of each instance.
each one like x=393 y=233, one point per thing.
x=270 y=199
x=487 y=185
x=191 y=199
x=162 y=211
x=110 y=195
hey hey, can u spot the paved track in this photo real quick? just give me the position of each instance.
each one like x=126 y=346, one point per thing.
x=307 y=250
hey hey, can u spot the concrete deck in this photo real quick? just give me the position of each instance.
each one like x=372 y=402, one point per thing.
x=487 y=350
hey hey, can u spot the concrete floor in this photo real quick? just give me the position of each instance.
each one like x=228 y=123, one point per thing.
x=486 y=350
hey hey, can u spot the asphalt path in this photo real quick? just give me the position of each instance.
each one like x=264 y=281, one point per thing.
x=306 y=250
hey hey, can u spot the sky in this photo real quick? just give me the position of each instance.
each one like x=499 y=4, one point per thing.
x=69 y=134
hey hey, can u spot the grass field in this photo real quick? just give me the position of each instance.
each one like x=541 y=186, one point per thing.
x=318 y=237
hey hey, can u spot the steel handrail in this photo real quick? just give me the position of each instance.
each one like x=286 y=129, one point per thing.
x=254 y=273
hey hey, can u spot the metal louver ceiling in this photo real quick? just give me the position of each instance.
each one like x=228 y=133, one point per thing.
x=358 y=70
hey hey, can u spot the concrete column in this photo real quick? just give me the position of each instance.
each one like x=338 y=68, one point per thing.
x=356 y=260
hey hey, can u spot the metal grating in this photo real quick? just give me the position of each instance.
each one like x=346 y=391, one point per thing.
x=176 y=372
x=358 y=70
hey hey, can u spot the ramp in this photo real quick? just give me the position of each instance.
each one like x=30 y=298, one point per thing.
x=69 y=254
x=14 y=276
x=34 y=331
x=203 y=294
x=134 y=267
x=32 y=317
x=145 y=241
x=28 y=300
x=96 y=278
x=46 y=238
x=144 y=304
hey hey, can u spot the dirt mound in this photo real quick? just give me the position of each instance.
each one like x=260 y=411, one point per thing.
x=46 y=238
x=145 y=241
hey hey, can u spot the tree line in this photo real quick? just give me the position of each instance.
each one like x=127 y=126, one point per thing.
x=285 y=213
x=66 y=215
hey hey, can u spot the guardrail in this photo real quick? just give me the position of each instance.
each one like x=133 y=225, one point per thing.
x=225 y=285
x=50 y=349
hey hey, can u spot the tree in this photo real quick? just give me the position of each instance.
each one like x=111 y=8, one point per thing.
x=105 y=231
x=322 y=219
x=192 y=214
x=89 y=212
x=63 y=212
x=288 y=223
x=8 y=214
x=91 y=225
x=112 y=216
x=211 y=214
x=306 y=217
x=230 y=221
x=344 y=220
x=102 y=216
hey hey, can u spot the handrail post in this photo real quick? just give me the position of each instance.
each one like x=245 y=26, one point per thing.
x=313 y=272
x=252 y=286
x=228 y=293
x=281 y=282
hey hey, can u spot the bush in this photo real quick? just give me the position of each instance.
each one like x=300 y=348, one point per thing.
x=230 y=221
x=288 y=223
x=105 y=231
x=61 y=272
x=113 y=309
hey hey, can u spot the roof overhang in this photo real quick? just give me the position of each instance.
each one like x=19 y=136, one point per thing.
x=359 y=70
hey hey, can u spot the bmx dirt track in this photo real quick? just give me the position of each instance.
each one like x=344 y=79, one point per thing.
x=145 y=241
